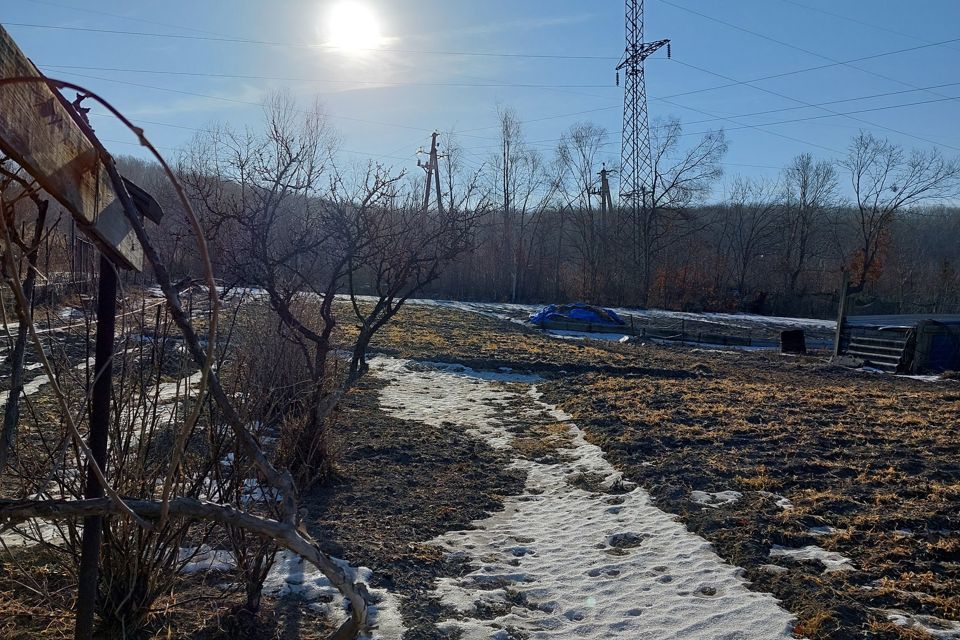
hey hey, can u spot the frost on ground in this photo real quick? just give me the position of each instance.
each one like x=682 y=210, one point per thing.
x=568 y=560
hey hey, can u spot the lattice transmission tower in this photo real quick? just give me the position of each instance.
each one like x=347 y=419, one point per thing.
x=636 y=164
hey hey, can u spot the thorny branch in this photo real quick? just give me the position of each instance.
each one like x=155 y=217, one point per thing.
x=287 y=533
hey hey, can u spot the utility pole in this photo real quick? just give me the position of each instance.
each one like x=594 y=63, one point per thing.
x=606 y=203
x=432 y=168
x=636 y=164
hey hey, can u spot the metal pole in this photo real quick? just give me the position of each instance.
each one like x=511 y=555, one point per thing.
x=841 y=311
x=97 y=441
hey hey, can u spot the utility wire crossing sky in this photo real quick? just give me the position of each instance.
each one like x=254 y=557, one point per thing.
x=781 y=77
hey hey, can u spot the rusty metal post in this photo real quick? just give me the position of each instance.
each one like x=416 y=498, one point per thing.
x=97 y=440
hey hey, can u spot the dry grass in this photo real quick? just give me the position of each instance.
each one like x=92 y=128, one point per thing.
x=869 y=455
x=873 y=457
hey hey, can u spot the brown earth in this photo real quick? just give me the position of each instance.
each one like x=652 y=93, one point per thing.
x=874 y=457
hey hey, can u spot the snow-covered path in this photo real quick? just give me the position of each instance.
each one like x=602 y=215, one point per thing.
x=567 y=559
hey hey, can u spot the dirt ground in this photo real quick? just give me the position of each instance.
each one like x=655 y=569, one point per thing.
x=870 y=463
x=399 y=485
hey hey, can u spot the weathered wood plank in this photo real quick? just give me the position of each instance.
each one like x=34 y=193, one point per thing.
x=38 y=130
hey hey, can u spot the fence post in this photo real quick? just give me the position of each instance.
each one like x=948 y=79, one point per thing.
x=841 y=311
x=89 y=573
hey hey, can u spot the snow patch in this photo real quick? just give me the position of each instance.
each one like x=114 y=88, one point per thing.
x=504 y=374
x=832 y=561
x=715 y=499
x=565 y=334
x=780 y=501
x=935 y=627
x=825 y=530
x=200 y=559
x=293 y=576
x=563 y=561
x=922 y=378
x=33 y=532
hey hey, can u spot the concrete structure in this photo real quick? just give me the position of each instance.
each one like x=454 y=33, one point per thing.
x=903 y=343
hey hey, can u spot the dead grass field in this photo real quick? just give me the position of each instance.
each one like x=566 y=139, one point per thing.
x=872 y=459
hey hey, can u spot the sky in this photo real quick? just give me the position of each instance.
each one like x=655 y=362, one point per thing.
x=177 y=67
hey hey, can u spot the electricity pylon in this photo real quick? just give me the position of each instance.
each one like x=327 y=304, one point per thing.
x=636 y=164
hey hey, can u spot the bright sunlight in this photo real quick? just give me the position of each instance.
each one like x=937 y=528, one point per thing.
x=353 y=27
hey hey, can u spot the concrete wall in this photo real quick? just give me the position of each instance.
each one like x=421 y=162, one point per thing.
x=937 y=347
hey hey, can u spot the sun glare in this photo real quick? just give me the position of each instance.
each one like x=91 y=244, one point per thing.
x=353 y=27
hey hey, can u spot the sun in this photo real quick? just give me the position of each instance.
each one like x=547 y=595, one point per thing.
x=353 y=27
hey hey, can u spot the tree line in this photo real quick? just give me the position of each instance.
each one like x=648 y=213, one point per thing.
x=541 y=230
x=883 y=214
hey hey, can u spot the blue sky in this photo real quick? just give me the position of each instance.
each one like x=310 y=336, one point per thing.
x=385 y=103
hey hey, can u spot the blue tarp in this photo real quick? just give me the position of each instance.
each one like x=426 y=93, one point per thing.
x=577 y=312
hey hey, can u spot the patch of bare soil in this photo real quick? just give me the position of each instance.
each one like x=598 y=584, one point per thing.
x=400 y=484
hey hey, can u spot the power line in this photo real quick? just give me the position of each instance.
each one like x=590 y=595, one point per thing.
x=784 y=43
x=854 y=99
x=202 y=130
x=807 y=104
x=274 y=43
x=583 y=112
x=466 y=133
x=822 y=116
x=756 y=127
x=501 y=85
x=471 y=153
x=814 y=68
x=243 y=102
x=200 y=74
x=803 y=106
x=120 y=17
x=864 y=23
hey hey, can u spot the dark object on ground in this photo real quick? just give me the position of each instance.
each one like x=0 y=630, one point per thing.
x=793 y=341
x=576 y=313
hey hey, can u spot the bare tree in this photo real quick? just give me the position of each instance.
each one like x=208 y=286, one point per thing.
x=526 y=187
x=810 y=189
x=461 y=185
x=578 y=157
x=750 y=225
x=886 y=180
x=407 y=253
x=681 y=177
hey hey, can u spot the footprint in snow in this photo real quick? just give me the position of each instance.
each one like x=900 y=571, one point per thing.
x=626 y=540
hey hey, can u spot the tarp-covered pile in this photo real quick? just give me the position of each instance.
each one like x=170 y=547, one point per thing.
x=577 y=312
